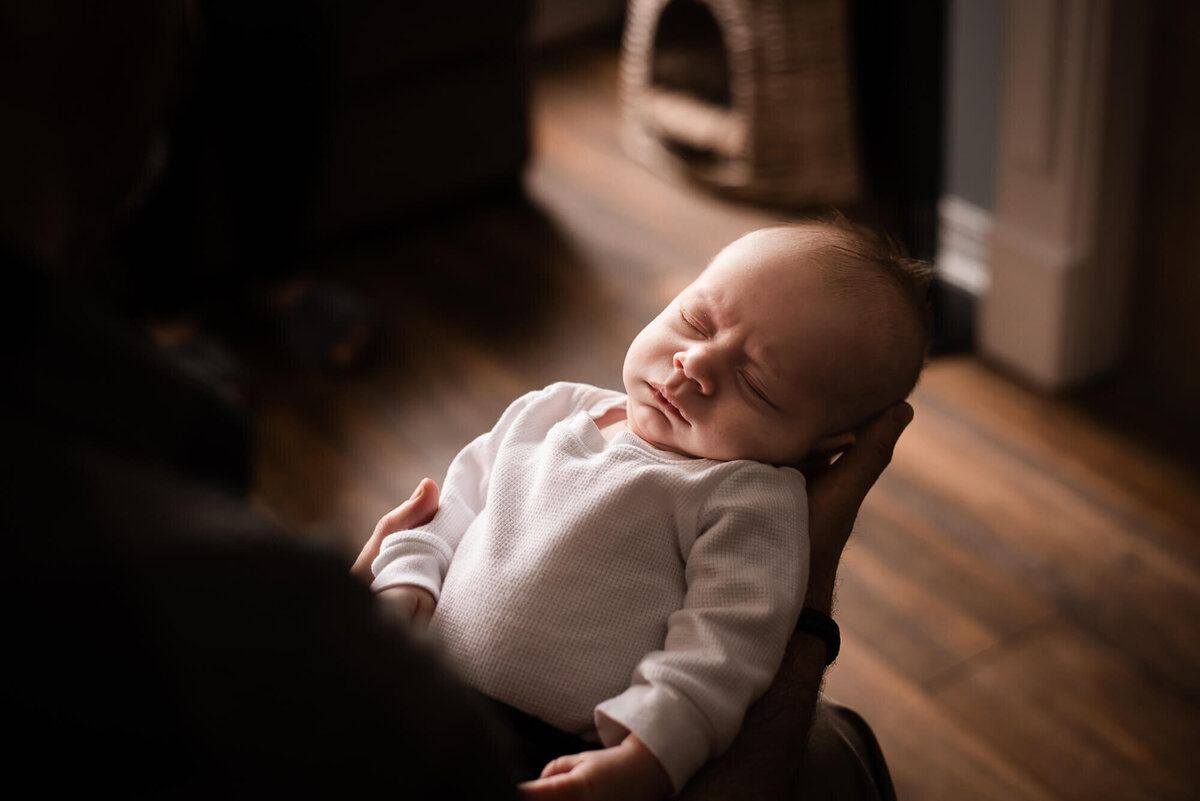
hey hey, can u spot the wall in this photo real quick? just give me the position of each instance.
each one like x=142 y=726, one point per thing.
x=972 y=97
x=1165 y=340
x=974 y=42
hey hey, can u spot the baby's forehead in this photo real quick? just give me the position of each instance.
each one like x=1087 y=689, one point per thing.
x=768 y=245
x=787 y=271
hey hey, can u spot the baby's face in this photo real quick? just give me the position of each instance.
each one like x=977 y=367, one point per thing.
x=745 y=363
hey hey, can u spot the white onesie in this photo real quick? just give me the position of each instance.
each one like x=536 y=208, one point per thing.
x=608 y=586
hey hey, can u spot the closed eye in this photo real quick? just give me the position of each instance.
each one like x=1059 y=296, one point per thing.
x=691 y=323
x=757 y=390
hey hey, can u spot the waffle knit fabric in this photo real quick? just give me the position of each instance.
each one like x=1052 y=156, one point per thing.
x=609 y=587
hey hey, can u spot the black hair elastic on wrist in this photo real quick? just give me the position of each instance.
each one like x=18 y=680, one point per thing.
x=821 y=625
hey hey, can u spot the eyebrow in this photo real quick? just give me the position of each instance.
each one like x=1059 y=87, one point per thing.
x=698 y=307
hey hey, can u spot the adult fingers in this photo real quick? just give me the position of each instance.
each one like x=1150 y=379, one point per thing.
x=418 y=510
x=846 y=483
x=835 y=494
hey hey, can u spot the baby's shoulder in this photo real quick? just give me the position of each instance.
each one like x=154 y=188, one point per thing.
x=739 y=471
x=748 y=471
x=749 y=484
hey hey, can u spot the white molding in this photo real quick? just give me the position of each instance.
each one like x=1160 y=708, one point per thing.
x=964 y=245
x=1062 y=251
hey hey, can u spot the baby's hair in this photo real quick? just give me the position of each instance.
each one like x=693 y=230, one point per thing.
x=859 y=261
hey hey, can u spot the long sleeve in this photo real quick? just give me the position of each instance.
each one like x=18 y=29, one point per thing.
x=422 y=556
x=746 y=575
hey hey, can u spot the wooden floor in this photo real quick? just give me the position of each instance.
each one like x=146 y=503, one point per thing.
x=1021 y=601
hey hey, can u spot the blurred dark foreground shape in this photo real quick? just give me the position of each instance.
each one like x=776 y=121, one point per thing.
x=164 y=638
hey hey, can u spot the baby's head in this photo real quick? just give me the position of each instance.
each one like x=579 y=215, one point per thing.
x=791 y=338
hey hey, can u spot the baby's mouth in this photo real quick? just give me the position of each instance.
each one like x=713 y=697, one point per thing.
x=665 y=401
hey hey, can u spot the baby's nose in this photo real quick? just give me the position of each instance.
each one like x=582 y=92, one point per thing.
x=695 y=368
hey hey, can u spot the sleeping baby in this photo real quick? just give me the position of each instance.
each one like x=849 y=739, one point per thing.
x=621 y=572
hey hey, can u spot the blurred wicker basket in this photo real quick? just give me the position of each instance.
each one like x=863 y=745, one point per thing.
x=752 y=98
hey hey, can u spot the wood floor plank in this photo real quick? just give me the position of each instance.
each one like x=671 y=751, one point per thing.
x=932 y=754
x=1098 y=572
x=896 y=523
x=1116 y=471
x=922 y=634
x=1080 y=719
x=583 y=143
x=309 y=482
x=662 y=208
x=921 y=598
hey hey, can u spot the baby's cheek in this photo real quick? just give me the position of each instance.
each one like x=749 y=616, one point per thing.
x=709 y=443
x=734 y=440
x=644 y=422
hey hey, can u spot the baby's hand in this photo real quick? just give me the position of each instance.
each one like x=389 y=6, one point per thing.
x=412 y=605
x=629 y=772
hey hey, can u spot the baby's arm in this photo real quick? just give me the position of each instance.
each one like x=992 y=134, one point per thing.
x=421 y=557
x=745 y=573
x=407 y=604
x=418 y=558
x=411 y=605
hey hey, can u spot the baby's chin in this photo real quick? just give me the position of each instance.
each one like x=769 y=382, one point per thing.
x=699 y=451
x=719 y=454
x=716 y=452
x=669 y=445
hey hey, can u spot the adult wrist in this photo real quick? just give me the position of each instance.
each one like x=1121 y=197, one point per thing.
x=819 y=595
x=820 y=625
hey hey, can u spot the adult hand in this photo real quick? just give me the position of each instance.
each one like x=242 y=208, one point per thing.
x=416 y=511
x=836 y=491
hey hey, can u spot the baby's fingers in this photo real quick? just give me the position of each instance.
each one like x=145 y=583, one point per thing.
x=559 y=782
x=561 y=765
